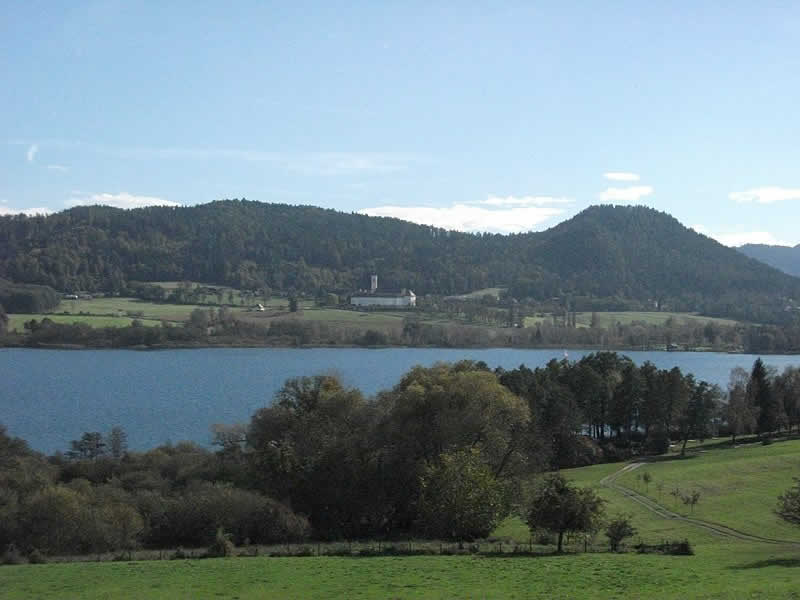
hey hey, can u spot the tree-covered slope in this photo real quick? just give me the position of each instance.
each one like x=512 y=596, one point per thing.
x=785 y=258
x=633 y=253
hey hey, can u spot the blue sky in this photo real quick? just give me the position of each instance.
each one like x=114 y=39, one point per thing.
x=478 y=116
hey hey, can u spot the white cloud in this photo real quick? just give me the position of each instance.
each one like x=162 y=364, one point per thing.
x=32 y=150
x=59 y=168
x=39 y=210
x=121 y=200
x=765 y=195
x=471 y=218
x=523 y=200
x=621 y=176
x=628 y=194
x=739 y=238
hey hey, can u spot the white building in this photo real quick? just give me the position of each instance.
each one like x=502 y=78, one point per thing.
x=402 y=299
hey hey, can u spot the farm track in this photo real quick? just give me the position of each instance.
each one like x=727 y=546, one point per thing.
x=663 y=512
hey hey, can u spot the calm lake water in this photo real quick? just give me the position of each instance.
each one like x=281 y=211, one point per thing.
x=49 y=397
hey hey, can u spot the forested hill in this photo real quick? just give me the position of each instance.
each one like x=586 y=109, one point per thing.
x=785 y=258
x=619 y=253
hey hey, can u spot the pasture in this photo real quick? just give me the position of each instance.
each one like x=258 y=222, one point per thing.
x=609 y=319
x=723 y=566
x=16 y=322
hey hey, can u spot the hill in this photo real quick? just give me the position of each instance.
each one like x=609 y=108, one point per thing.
x=785 y=258
x=605 y=258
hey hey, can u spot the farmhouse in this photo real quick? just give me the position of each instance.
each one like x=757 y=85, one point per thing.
x=372 y=297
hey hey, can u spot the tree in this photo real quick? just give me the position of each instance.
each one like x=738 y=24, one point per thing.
x=558 y=507
x=695 y=418
x=788 y=507
x=3 y=320
x=90 y=446
x=117 y=442
x=739 y=411
x=310 y=447
x=618 y=529
x=460 y=499
x=761 y=394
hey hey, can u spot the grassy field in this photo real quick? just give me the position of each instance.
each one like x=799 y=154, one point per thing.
x=17 y=321
x=608 y=319
x=477 y=294
x=723 y=567
x=738 y=486
x=743 y=573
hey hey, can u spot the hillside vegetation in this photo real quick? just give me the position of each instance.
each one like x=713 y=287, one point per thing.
x=785 y=258
x=605 y=258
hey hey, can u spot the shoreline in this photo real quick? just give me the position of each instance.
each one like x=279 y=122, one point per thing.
x=254 y=344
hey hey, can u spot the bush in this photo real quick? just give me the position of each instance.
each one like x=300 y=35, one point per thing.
x=36 y=557
x=222 y=545
x=12 y=556
x=617 y=530
x=673 y=547
x=657 y=443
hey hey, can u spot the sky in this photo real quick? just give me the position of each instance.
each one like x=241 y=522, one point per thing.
x=478 y=116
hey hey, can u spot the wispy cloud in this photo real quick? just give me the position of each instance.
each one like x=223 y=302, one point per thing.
x=739 y=238
x=495 y=214
x=523 y=200
x=121 y=200
x=627 y=194
x=765 y=195
x=38 y=210
x=32 y=150
x=59 y=168
x=621 y=176
x=304 y=163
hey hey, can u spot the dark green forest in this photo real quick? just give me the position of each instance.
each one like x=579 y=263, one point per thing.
x=604 y=257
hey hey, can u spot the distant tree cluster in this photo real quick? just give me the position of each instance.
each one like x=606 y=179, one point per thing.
x=762 y=401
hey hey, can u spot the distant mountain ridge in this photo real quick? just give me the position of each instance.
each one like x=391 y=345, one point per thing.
x=785 y=258
x=629 y=256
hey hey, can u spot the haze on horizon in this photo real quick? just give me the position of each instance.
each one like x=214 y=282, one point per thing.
x=506 y=118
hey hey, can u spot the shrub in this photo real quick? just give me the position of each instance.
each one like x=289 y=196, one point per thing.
x=673 y=547
x=36 y=557
x=460 y=498
x=221 y=546
x=617 y=530
x=12 y=555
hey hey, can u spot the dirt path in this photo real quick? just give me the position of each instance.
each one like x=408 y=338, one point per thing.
x=665 y=513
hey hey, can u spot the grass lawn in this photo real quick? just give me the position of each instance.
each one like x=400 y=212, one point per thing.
x=17 y=321
x=738 y=486
x=493 y=291
x=721 y=568
x=721 y=572
x=608 y=319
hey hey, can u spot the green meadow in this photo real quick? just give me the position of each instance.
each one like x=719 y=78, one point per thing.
x=609 y=319
x=739 y=487
x=17 y=321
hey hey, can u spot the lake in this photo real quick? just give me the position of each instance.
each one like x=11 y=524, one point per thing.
x=50 y=397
